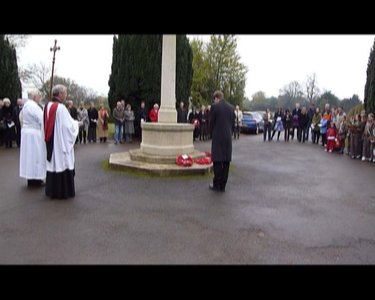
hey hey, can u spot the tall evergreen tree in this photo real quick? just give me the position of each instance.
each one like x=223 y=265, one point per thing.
x=10 y=83
x=136 y=70
x=184 y=69
x=114 y=72
x=369 y=101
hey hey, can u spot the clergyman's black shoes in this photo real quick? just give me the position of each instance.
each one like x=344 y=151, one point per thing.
x=216 y=189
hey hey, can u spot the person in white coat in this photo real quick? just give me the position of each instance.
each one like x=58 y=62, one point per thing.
x=61 y=132
x=33 y=148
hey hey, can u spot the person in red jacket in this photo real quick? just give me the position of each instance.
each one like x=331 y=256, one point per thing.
x=154 y=113
x=331 y=137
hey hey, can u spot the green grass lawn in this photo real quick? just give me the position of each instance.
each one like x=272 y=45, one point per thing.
x=111 y=130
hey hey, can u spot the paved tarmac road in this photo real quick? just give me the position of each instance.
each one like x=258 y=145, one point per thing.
x=286 y=203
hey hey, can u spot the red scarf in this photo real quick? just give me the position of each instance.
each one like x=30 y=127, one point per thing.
x=49 y=122
x=103 y=116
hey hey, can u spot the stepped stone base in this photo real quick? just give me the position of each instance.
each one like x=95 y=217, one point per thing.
x=161 y=144
x=167 y=139
x=123 y=160
x=138 y=155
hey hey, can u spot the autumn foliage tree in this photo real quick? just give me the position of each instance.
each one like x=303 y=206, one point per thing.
x=217 y=66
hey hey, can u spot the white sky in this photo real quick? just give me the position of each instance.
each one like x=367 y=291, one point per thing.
x=86 y=59
x=339 y=61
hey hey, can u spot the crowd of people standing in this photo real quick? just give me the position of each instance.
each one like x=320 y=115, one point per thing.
x=331 y=128
x=53 y=130
x=199 y=117
x=10 y=127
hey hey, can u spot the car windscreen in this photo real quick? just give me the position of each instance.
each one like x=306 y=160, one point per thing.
x=248 y=116
x=258 y=116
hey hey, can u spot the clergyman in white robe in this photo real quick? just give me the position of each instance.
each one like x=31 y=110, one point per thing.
x=60 y=167
x=33 y=147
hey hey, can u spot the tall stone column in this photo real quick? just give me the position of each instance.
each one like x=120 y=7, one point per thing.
x=167 y=112
x=163 y=141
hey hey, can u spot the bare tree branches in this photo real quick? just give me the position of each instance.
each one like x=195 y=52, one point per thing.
x=312 y=91
x=292 y=90
x=39 y=76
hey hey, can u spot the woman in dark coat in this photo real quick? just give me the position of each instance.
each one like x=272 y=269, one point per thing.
x=287 y=123
x=303 y=125
x=93 y=118
x=276 y=125
x=194 y=119
x=8 y=119
x=202 y=117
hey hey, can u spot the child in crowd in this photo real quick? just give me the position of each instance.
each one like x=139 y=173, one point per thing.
x=323 y=130
x=331 y=137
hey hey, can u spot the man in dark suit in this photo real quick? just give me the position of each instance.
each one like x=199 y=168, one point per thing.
x=221 y=125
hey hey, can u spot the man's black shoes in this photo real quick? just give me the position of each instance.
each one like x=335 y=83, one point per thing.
x=216 y=189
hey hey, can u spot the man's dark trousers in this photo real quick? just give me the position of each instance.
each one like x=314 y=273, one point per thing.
x=221 y=170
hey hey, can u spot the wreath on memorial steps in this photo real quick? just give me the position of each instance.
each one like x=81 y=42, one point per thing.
x=184 y=160
x=204 y=160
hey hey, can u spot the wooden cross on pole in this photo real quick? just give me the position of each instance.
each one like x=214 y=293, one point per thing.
x=54 y=49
